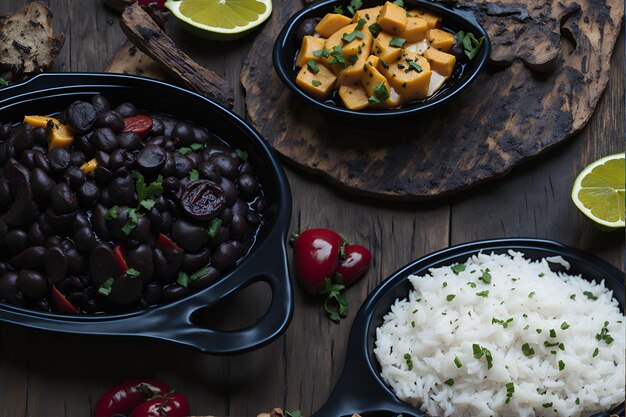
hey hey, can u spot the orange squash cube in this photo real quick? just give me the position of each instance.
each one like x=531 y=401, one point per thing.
x=432 y=20
x=383 y=49
x=331 y=23
x=319 y=84
x=415 y=30
x=409 y=75
x=369 y=15
x=440 y=39
x=440 y=62
x=309 y=45
x=354 y=97
x=392 y=18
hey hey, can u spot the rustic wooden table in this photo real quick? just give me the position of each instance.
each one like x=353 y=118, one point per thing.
x=52 y=375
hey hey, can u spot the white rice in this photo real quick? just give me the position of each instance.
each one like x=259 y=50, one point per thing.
x=435 y=331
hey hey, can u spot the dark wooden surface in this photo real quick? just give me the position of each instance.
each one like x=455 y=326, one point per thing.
x=508 y=114
x=50 y=375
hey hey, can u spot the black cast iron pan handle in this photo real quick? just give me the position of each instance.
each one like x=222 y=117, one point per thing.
x=360 y=389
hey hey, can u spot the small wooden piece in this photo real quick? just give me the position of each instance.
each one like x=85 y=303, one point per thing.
x=149 y=38
x=552 y=65
x=130 y=60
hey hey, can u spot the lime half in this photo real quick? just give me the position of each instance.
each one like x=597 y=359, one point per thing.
x=220 y=19
x=599 y=191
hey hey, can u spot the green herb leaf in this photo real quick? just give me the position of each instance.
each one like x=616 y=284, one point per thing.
x=112 y=213
x=196 y=146
x=561 y=365
x=414 y=65
x=484 y=293
x=577 y=401
x=375 y=29
x=471 y=45
x=194 y=175
x=214 y=227
x=398 y=3
x=349 y=37
x=552 y=333
x=527 y=350
x=353 y=58
x=148 y=204
x=183 y=279
x=397 y=42
x=105 y=288
x=241 y=154
x=450 y=297
x=504 y=323
x=3 y=82
x=321 y=53
x=479 y=351
x=457 y=362
x=547 y=405
x=338 y=10
x=354 y=6
x=449 y=382
x=131 y=223
x=313 y=66
x=595 y=352
x=565 y=326
x=485 y=277
x=590 y=295
x=510 y=389
x=604 y=334
x=381 y=92
x=458 y=268
x=145 y=192
x=295 y=413
x=409 y=361
x=199 y=273
x=337 y=57
x=132 y=272
x=316 y=83
x=335 y=304
x=531 y=294
x=360 y=24
x=184 y=150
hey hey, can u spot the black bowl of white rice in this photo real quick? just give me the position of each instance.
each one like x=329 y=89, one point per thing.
x=507 y=327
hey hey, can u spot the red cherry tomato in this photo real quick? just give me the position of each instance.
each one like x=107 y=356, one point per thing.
x=164 y=243
x=126 y=396
x=62 y=304
x=160 y=4
x=139 y=124
x=355 y=264
x=120 y=259
x=316 y=255
x=169 y=405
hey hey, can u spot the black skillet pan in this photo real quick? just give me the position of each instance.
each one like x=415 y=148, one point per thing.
x=266 y=261
x=360 y=388
x=287 y=46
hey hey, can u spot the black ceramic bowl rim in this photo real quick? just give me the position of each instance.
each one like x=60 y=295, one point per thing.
x=279 y=59
x=360 y=388
x=173 y=322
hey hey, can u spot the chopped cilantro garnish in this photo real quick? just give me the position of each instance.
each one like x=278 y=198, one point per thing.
x=360 y=24
x=3 y=82
x=483 y=293
x=241 y=154
x=131 y=223
x=479 y=351
x=564 y=326
x=316 y=83
x=338 y=10
x=183 y=279
x=132 y=272
x=112 y=213
x=471 y=45
x=457 y=362
x=595 y=352
x=414 y=65
x=504 y=323
x=353 y=58
x=397 y=42
x=214 y=227
x=196 y=146
x=313 y=66
x=458 y=268
x=408 y=360
x=547 y=405
x=485 y=277
x=321 y=53
x=449 y=382
x=450 y=297
x=510 y=389
x=380 y=93
x=199 y=273
x=184 y=150
x=144 y=191
x=349 y=37
x=374 y=29
x=561 y=365
x=148 y=204
x=531 y=294
x=337 y=57
x=398 y=3
x=194 y=175
x=105 y=288
x=604 y=334
x=527 y=350
x=354 y=6
x=590 y=295
x=577 y=401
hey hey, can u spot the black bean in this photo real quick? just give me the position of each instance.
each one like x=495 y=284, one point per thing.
x=222 y=236
x=215 y=149
x=210 y=276
x=201 y=135
x=240 y=208
x=102 y=158
x=62 y=199
x=40 y=136
x=52 y=241
x=166 y=221
x=52 y=223
x=140 y=259
x=76 y=263
x=5 y=192
x=29 y=258
x=238 y=227
x=23 y=137
x=102 y=264
x=126 y=290
x=157 y=127
x=81 y=220
x=41 y=162
x=28 y=158
x=127 y=110
x=226 y=216
x=230 y=190
x=306 y=28
x=32 y=284
x=254 y=219
x=245 y=168
x=5 y=130
x=56 y=264
x=74 y=177
x=85 y=240
x=225 y=256
x=195 y=158
x=160 y=265
x=171 y=186
x=209 y=171
x=83 y=144
x=189 y=236
x=260 y=205
x=112 y=120
x=59 y=160
x=16 y=240
x=41 y=185
x=4 y=268
x=193 y=261
x=104 y=139
x=174 y=292
x=151 y=295
x=8 y=288
x=183 y=166
x=88 y=195
x=170 y=165
x=121 y=190
x=81 y=116
x=248 y=187
x=23 y=210
x=102 y=176
x=77 y=158
x=99 y=222
x=183 y=134
x=35 y=235
x=116 y=224
x=151 y=159
x=169 y=145
x=100 y=103
x=158 y=140
x=226 y=165
x=128 y=140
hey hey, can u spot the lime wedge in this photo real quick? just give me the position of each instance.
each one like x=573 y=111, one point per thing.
x=599 y=191
x=220 y=19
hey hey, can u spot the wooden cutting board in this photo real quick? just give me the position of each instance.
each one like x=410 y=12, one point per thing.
x=549 y=66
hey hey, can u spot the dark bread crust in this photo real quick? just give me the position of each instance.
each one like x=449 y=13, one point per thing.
x=28 y=42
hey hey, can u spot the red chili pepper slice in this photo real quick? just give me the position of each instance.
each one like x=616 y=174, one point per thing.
x=120 y=259
x=164 y=242
x=62 y=303
x=139 y=124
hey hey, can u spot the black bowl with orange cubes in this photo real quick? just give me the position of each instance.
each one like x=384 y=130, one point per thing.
x=376 y=59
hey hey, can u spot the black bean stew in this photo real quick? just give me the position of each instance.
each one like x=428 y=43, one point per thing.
x=106 y=210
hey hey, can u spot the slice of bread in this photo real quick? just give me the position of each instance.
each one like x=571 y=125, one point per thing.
x=28 y=45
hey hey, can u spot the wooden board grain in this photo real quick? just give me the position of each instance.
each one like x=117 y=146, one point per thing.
x=513 y=111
